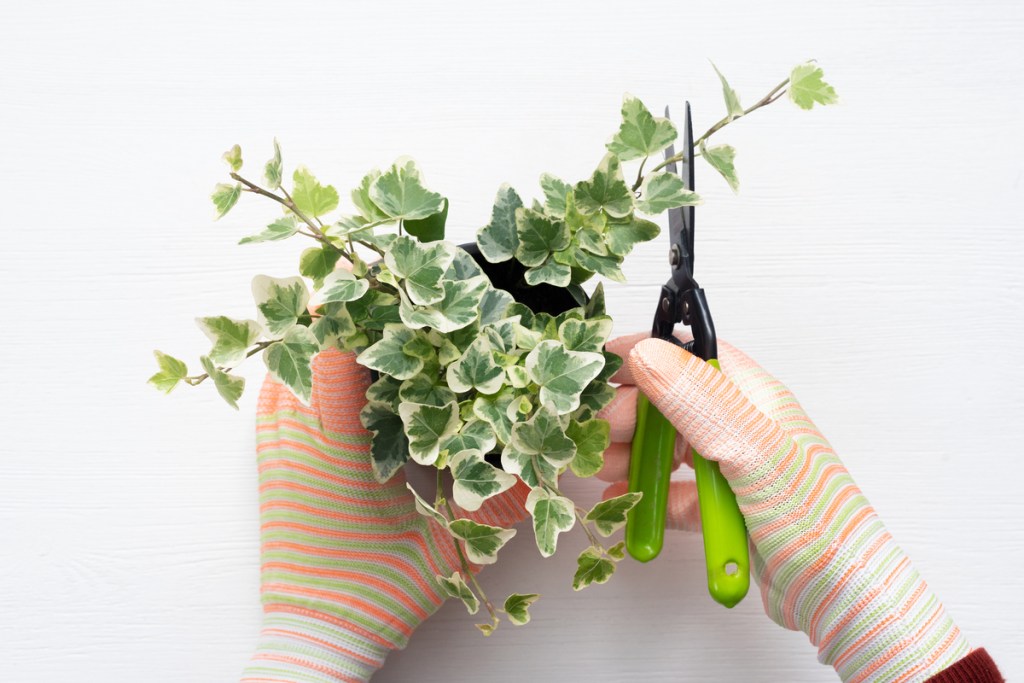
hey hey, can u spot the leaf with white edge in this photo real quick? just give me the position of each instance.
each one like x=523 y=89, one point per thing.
x=422 y=266
x=498 y=240
x=384 y=390
x=342 y=285
x=606 y=266
x=475 y=434
x=281 y=229
x=664 y=190
x=290 y=360
x=482 y=541
x=517 y=607
x=280 y=301
x=551 y=272
x=425 y=508
x=476 y=480
x=458 y=308
x=517 y=376
x=316 y=263
x=171 y=372
x=592 y=438
x=476 y=369
x=388 y=356
x=399 y=192
x=424 y=388
x=335 y=326
x=233 y=157
x=640 y=134
x=454 y=586
x=622 y=236
x=596 y=305
x=733 y=108
x=617 y=552
x=389 y=450
x=273 y=172
x=229 y=386
x=493 y=305
x=312 y=198
x=225 y=196
x=538 y=448
x=592 y=567
x=463 y=266
x=494 y=411
x=555 y=192
x=806 y=87
x=562 y=374
x=552 y=515
x=429 y=229
x=370 y=212
x=585 y=335
x=609 y=515
x=539 y=235
x=722 y=159
x=605 y=190
x=426 y=426
x=231 y=338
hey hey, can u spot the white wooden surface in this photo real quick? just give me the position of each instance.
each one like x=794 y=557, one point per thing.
x=872 y=261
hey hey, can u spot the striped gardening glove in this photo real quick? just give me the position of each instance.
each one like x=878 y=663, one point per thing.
x=348 y=565
x=825 y=563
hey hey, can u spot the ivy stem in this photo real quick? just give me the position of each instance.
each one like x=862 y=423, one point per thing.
x=440 y=498
x=590 y=534
x=198 y=379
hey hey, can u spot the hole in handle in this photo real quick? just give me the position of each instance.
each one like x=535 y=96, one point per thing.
x=731 y=568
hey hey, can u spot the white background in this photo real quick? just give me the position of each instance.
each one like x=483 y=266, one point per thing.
x=872 y=261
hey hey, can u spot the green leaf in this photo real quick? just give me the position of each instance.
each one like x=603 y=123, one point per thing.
x=234 y=158
x=426 y=426
x=475 y=434
x=388 y=356
x=640 y=134
x=455 y=587
x=609 y=515
x=498 y=240
x=488 y=629
x=370 y=212
x=422 y=266
x=592 y=567
x=425 y=508
x=550 y=271
x=552 y=515
x=591 y=438
x=429 y=229
x=806 y=87
x=171 y=372
x=537 y=449
x=555 y=192
x=389 y=450
x=225 y=196
x=617 y=552
x=722 y=159
x=316 y=263
x=458 y=307
x=273 y=172
x=280 y=301
x=562 y=374
x=517 y=605
x=585 y=335
x=342 y=285
x=605 y=190
x=538 y=236
x=733 y=108
x=290 y=360
x=283 y=228
x=312 y=198
x=476 y=480
x=229 y=387
x=231 y=338
x=664 y=190
x=622 y=236
x=476 y=369
x=399 y=192
x=482 y=541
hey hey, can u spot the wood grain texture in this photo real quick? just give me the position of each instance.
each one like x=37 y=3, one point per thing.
x=872 y=261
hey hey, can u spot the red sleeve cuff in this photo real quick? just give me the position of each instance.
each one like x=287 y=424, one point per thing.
x=976 y=667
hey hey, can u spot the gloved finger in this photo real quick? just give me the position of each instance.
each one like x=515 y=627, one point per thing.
x=621 y=346
x=621 y=414
x=617 y=457
x=683 y=512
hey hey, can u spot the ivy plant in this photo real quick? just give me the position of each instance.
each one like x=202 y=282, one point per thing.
x=462 y=369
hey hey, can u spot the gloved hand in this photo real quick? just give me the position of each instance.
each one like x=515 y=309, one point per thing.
x=348 y=564
x=825 y=563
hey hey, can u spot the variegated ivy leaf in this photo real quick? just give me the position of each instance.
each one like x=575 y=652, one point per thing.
x=389 y=356
x=585 y=335
x=273 y=172
x=231 y=338
x=316 y=263
x=733 y=108
x=550 y=271
x=389 y=450
x=455 y=587
x=596 y=306
x=502 y=335
x=598 y=393
x=517 y=607
x=497 y=240
x=290 y=360
x=664 y=190
x=229 y=386
x=555 y=192
x=341 y=285
x=488 y=629
x=606 y=266
x=463 y=267
x=723 y=159
x=425 y=508
x=399 y=192
x=426 y=426
x=592 y=567
x=593 y=223
x=310 y=197
x=609 y=515
x=552 y=515
x=482 y=541
x=458 y=307
x=562 y=374
x=283 y=228
x=493 y=305
x=538 y=449
x=476 y=369
x=617 y=552
x=517 y=376
x=806 y=87
x=422 y=266
x=605 y=190
x=475 y=434
x=225 y=196
x=171 y=372
x=621 y=236
x=335 y=326
x=494 y=411
x=374 y=310
x=539 y=235
x=233 y=157
x=476 y=480
x=280 y=301
x=370 y=212
x=384 y=391
x=424 y=388
x=591 y=438
x=345 y=226
x=640 y=134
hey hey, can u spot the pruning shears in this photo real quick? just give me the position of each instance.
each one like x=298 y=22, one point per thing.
x=682 y=300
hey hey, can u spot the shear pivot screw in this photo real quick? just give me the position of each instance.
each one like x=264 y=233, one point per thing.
x=673 y=255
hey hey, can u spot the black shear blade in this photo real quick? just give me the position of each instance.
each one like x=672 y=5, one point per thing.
x=681 y=219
